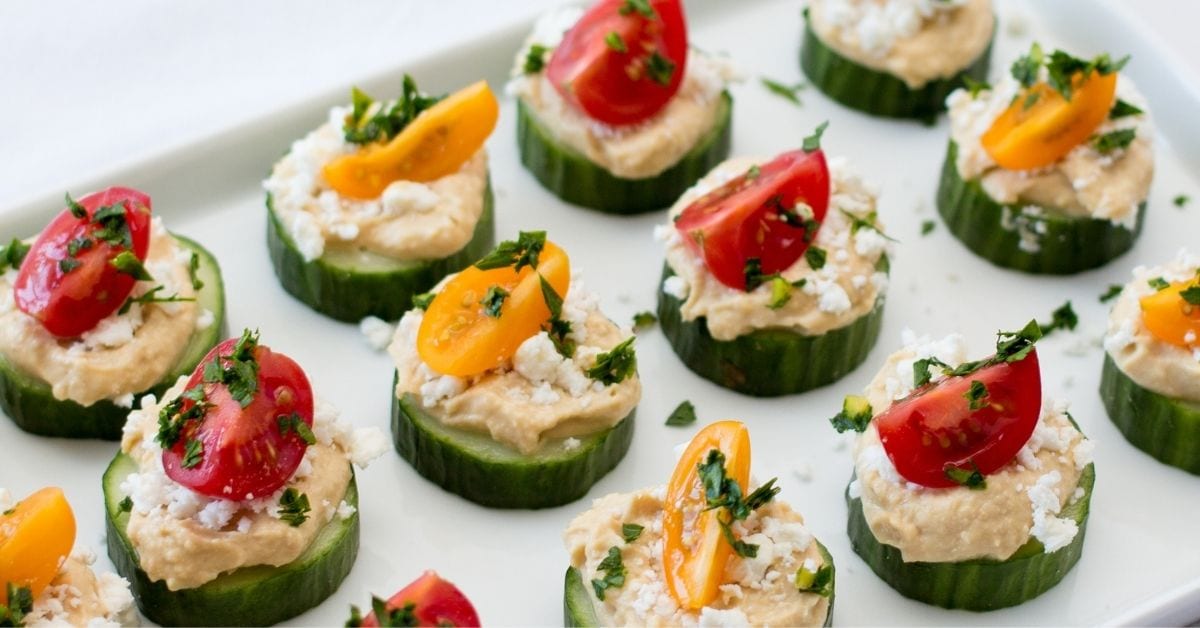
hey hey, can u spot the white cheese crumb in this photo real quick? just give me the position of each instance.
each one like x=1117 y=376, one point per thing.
x=1054 y=532
x=377 y=331
x=874 y=458
x=676 y=287
x=205 y=319
x=345 y=510
x=409 y=197
x=855 y=489
x=123 y=401
x=571 y=444
x=714 y=618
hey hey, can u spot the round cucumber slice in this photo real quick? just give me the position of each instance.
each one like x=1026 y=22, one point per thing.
x=768 y=362
x=1167 y=429
x=1066 y=244
x=975 y=585
x=494 y=475
x=875 y=92
x=579 y=611
x=31 y=404
x=574 y=178
x=351 y=285
x=251 y=596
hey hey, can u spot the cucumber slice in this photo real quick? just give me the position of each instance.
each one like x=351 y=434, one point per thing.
x=579 y=611
x=351 y=285
x=875 y=92
x=251 y=596
x=30 y=404
x=491 y=474
x=975 y=585
x=768 y=362
x=1167 y=429
x=1068 y=244
x=574 y=178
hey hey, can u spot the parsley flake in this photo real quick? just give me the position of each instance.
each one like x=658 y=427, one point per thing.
x=126 y=504
x=1113 y=292
x=128 y=264
x=557 y=328
x=193 y=454
x=752 y=271
x=724 y=492
x=190 y=406
x=151 y=296
x=77 y=210
x=13 y=254
x=1121 y=109
x=289 y=423
x=640 y=6
x=519 y=253
x=974 y=87
x=238 y=370
x=387 y=122
x=815 y=256
x=614 y=573
x=856 y=414
x=976 y=395
x=1025 y=68
x=819 y=581
x=1062 y=318
x=781 y=292
x=404 y=617
x=1113 y=140
x=616 y=365
x=493 y=300
x=1191 y=295
x=422 y=301
x=813 y=142
x=927 y=227
x=75 y=245
x=1180 y=201
x=644 y=320
x=20 y=604
x=615 y=43
x=194 y=272
x=631 y=531
x=535 y=59
x=68 y=264
x=971 y=478
x=1158 y=283
x=684 y=414
x=790 y=93
x=659 y=68
x=293 y=507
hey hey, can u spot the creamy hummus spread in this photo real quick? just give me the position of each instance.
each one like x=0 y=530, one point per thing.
x=637 y=151
x=123 y=354
x=756 y=591
x=1022 y=499
x=540 y=396
x=187 y=539
x=917 y=41
x=1159 y=366
x=80 y=597
x=410 y=221
x=1084 y=183
x=847 y=288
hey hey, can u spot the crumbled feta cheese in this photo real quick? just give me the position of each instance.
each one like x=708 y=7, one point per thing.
x=676 y=287
x=1054 y=532
x=205 y=319
x=571 y=444
x=409 y=197
x=875 y=459
x=377 y=331
x=345 y=510
x=123 y=401
x=714 y=618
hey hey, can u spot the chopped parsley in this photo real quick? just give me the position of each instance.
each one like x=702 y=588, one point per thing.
x=855 y=415
x=193 y=454
x=640 y=6
x=753 y=172
x=868 y=221
x=1011 y=346
x=724 y=492
x=151 y=296
x=976 y=395
x=813 y=142
x=1062 y=318
x=781 y=292
x=1061 y=69
x=752 y=271
x=557 y=328
x=493 y=300
x=631 y=531
x=683 y=414
x=114 y=227
x=239 y=374
x=1121 y=109
x=126 y=504
x=77 y=210
x=75 y=245
x=193 y=272
x=819 y=581
x=293 y=422
x=68 y=264
x=20 y=604
x=535 y=59
x=790 y=93
x=1180 y=201
x=1113 y=292
x=128 y=264
x=1158 y=283
x=175 y=415
x=615 y=43
x=519 y=253
x=1025 y=68
x=404 y=617
x=927 y=227
x=13 y=254
x=974 y=87
x=971 y=478
x=614 y=573
x=1031 y=99
x=293 y=507
x=815 y=256
x=659 y=68
x=386 y=122
x=616 y=365
x=422 y=301
x=1113 y=140
x=644 y=320
x=1191 y=295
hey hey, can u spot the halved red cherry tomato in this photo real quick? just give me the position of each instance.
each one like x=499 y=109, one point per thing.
x=436 y=602
x=622 y=63
x=245 y=452
x=934 y=428
x=69 y=293
x=753 y=216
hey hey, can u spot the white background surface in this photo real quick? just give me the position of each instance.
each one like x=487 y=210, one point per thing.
x=86 y=88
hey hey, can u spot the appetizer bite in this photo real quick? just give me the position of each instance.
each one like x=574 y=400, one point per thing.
x=703 y=550
x=42 y=581
x=507 y=393
x=428 y=601
x=775 y=273
x=614 y=112
x=232 y=500
x=896 y=58
x=101 y=308
x=382 y=201
x=969 y=490
x=1151 y=379
x=1048 y=170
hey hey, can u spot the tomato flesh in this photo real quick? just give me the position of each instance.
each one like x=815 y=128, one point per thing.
x=69 y=301
x=935 y=428
x=752 y=216
x=246 y=454
x=436 y=602
x=614 y=67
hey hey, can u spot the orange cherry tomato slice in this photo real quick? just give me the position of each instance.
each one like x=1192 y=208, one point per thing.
x=35 y=537
x=439 y=141
x=1171 y=318
x=457 y=337
x=1024 y=137
x=694 y=558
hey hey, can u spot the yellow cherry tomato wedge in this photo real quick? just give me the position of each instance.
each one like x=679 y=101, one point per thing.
x=1170 y=317
x=435 y=144
x=458 y=337
x=694 y=550
x=35 y=537
x=1037 y=135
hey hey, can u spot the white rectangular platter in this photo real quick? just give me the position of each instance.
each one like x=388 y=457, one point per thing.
x=1141 y=561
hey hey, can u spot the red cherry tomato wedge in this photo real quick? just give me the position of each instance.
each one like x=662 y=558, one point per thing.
x=753 y=217
x=934 y=428
x=622 y=63
x=244 y=451
x=435 y=602
x=67 y=281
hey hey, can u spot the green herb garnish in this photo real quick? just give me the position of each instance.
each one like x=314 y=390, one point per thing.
x=1113 y=292
x=615 y=43
x=790 y=93
x=927 y=227
x=535 y=59
x=683 y=414
x=1113 y=140
x=193 y=453
x=522 y=252
x=1191 y=295
x=1180 y=201
x=557 y=328
x=128 y=264
x=974 y=87
x=781 y=292
x=976 y=395
x=815 y=256
x=1025 y=68
x=20 y=604
x=1122 y=109
x=77 y=210
x=151 y=296
x=404 y=617
x=971 y=478
x=126 y=504
x=855 y=415
x=1158 y=283
x=68 y=264
x=13 y=254
x=493 y=300
x=660 y=69
x=293 y=422
x=176 y=414
x=616 y=365
x=614 y=573
x=640 y=6
x=387 y=122
x=813 y=142
x=723 y=492
x=193 y=272
x=422 y=301
x=752 y=271
x=114 y=228
x=1062 y=318
x=240 y=370
x=631 y=531
x=819 y=581
x=293 y=507
x=644 y=320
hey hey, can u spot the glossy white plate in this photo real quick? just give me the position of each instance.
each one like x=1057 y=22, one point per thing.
x=1141 y=562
